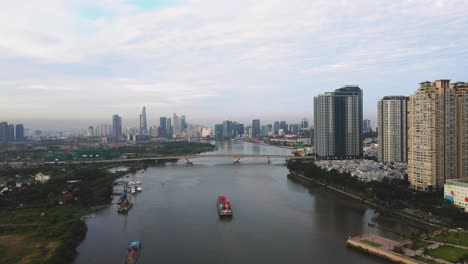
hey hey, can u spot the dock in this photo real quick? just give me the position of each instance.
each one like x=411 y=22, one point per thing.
x=381 y=247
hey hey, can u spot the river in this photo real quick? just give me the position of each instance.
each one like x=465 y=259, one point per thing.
x=275 y=220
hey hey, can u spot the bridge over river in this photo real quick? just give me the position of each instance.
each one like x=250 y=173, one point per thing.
x=189 y=158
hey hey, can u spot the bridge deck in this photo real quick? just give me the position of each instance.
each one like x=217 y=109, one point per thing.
x=191 y=157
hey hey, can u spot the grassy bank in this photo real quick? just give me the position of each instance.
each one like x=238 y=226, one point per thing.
x=40 y=223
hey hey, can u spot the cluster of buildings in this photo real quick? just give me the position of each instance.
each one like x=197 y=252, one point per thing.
x=175 y=127
x=230 y=129
x=366 y=170
x=11 y=132
x=427 y=130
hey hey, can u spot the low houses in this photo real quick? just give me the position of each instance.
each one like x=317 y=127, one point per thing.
x=365 y=170
x=42 y=178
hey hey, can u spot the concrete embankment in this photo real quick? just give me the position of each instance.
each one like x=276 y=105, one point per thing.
x=384 y=253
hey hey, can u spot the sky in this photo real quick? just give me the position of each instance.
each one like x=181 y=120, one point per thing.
x=73 y=63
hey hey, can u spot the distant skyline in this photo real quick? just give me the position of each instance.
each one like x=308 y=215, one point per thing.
x=69 y=64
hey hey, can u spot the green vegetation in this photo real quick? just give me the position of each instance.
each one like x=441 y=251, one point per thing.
x=370 y=243
x=389 y=194
x=97 y=153
x=455 y=238
x=60 y=151
x=418 y=244
x=425 y=260
x=449 y=253
x=175 y=148
x=41 y=223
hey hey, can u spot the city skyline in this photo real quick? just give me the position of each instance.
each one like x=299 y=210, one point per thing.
x=88 y=60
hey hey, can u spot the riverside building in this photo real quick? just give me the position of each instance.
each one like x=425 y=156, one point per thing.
x=432 y=136
x=393 y=124
x=338 y=123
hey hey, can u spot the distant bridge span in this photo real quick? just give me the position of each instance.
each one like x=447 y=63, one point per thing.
x=189 y=158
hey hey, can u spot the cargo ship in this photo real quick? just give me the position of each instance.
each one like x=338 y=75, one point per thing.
x=224 y=206
x=133 y=252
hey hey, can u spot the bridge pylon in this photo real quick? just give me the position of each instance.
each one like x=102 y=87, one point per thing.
x=188 y=161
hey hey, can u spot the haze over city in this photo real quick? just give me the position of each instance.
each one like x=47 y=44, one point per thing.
x=80 y=62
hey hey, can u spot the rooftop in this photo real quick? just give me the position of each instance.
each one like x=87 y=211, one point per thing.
x=458 y=182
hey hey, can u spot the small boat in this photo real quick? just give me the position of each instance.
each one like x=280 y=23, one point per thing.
x=125 y=206
x=122 y=198
x=224 y=206
x=138 y=188
x=132 y=190
x=133 y=252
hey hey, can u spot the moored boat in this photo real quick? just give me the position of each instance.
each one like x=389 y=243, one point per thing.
x=224 y=206
x=125 y=206
x=122 y=198
x=133 y=252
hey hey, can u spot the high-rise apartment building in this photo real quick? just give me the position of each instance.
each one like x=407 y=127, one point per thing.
x=3 y=131
x=366 y=126
x=432 y=139
x=168 y=127
x=265 y=131
x=103 y=130
x=10 y=133
x=284 y=126
x=276 y=127
x=293 y=129
x=162 y=127
x=256 y=128
x=177 y=125
x=304 y=124
x=116 y=126
x=20 y=133
x=154 y=131
x=183 y=123
x=143 y=124
x=393 y=124
x=227 y=129
x=219 y=131
x=461 y=94
x=338 y=123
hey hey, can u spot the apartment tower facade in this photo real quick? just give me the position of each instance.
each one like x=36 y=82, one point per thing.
x=393 y=129
x=432 y=135
x=461 y=95
x=338 y=123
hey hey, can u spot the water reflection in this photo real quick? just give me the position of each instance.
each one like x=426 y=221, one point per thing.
x=275 y=220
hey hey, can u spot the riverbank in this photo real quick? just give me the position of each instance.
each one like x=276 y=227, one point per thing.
x=299 y=178
x=43 y=222
x=381 y=247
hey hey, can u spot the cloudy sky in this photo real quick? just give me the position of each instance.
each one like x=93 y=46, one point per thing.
x=75 y=62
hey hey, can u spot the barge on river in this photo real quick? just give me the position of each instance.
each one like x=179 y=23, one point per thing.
x=224 y=206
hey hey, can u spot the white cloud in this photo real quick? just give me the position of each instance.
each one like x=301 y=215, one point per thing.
x=199 y=55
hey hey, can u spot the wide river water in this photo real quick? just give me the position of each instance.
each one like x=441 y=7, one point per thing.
x=275 y=220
